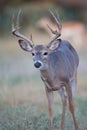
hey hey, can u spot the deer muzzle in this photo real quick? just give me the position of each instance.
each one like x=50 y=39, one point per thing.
x=37 y=64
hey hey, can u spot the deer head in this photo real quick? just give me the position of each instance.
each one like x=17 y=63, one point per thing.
x=39 y=52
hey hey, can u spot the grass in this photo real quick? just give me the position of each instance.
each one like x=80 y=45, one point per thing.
x=29 y=117
x=23 y=103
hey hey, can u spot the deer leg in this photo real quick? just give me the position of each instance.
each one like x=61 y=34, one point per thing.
x=71 y=106
x=64 y=103
x=50 y=106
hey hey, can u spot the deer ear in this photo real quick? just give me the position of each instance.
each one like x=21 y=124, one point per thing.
x=25 y=45
x=54 y=45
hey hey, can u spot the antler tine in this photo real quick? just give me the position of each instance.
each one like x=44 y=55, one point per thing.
x=13 y=23
x=58 y=22
x=15 y=30
x=56 y=32
x=51 y=29
x=18 y=20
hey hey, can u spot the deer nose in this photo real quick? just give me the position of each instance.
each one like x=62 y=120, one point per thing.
x=37 y=64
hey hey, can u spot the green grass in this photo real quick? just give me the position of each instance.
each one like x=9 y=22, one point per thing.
x=29 y=117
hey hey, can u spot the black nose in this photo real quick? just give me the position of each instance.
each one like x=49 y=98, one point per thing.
x=37 y=64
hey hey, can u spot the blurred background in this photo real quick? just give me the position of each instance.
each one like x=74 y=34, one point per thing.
x=23 y=103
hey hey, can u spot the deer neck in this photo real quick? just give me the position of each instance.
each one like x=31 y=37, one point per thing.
x=46 y=76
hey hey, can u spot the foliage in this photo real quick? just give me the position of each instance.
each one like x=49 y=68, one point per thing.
x=30 y=14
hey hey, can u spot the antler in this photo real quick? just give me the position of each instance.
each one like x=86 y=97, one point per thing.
x=15 y=30
x=56 y=32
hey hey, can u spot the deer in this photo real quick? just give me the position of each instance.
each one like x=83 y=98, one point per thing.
x=57 y=63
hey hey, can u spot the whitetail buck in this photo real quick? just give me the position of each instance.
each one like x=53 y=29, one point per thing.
x=57 y=63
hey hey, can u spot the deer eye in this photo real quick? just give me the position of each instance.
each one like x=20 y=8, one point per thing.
x=45 y=53
x=33 y=54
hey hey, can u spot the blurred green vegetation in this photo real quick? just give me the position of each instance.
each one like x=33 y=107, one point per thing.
x=31 y=13
x=29 y=117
